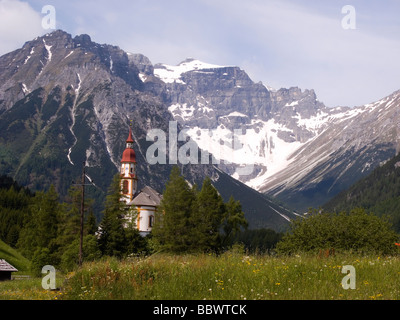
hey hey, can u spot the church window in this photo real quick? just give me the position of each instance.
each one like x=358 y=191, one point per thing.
x=151 y=221
x=125 y=187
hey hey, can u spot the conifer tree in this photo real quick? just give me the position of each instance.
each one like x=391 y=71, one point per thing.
x=111 y=228
x=135 y=243
x=173 y=229
x=90 y=225
x=207 y=217
x=69 y=220
x=41 y=225
x=70 y=225
x=233 y=221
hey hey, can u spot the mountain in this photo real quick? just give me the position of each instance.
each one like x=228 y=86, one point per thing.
x=219 y=104
x=284 y=143
x=355 y=142
x=66 y=101
x=379 y=193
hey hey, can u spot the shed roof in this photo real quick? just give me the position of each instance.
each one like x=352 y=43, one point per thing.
x=5 y=266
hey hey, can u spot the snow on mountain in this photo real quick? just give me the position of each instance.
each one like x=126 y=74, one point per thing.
x=352 y=143
x=296 y=148
x=67 y=100
x=170 y=74
x=258 y=145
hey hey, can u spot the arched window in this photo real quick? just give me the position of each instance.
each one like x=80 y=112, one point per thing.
x=125 y=187
x=151 y=221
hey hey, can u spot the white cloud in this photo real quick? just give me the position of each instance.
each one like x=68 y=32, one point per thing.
x=18 y=23
x=280 y=42
x=292 y=43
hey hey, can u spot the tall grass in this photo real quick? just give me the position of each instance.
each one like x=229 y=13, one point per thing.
x=29 y=289
x=235 y=276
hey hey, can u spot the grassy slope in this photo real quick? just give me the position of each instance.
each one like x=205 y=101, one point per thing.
x=13 y=257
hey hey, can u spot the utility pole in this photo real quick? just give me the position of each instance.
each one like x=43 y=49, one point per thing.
x=82 y=214
x=82 y=184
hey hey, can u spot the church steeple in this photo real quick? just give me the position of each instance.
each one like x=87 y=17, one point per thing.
x=129 y=141
x=128 y=170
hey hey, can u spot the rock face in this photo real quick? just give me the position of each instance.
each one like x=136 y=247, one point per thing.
x=67 y=101
x=77 y=98
x=204 y=97
x=295 y=148
x=351 y=146
x=64 y=101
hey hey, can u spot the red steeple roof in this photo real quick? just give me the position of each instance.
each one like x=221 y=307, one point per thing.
x=129 y=154
x=130 y=139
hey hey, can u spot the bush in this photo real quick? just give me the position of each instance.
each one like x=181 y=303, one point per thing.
x=356 y=232
x=90 y=251
x=41 y=258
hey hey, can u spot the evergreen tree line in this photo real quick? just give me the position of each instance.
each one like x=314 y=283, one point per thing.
x=379 y=192
x=47 y=231
x=189 y=219
x=193 y=220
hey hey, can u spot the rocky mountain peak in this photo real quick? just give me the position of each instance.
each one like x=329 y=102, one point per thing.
x=71 y=100
x=83 y=40
x=66 y=101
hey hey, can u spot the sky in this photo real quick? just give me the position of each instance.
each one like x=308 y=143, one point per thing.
x=348 y=55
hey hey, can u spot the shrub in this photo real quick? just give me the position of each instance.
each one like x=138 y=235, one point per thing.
x=356 y=231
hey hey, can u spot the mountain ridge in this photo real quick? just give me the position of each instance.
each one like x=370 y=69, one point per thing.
x=67 y=101
x=301 y=151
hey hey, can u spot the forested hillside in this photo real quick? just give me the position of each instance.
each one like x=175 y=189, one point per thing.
x=378 y=193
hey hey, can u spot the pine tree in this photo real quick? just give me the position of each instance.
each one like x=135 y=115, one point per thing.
x=69 y=226
x=41 y=225
x=173 y=229
x=233 y=221
x=112 y=233
x=207 y=217
x=90 y=225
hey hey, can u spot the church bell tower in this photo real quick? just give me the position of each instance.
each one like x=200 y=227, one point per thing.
x=128 y=171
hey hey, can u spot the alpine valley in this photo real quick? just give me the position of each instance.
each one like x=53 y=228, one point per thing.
x=65 y=101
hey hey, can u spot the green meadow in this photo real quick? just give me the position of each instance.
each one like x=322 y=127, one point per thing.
x=231 y=276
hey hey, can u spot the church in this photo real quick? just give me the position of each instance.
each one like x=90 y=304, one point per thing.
x=147 y=200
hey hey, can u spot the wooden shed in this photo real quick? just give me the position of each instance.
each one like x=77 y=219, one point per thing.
x=5 y=270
